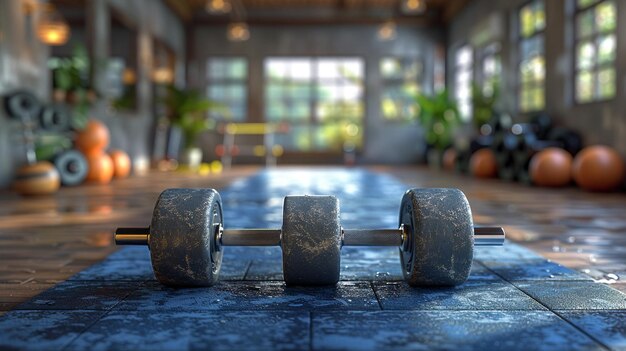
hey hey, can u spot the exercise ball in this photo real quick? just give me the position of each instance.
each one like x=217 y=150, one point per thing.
x=551 y=167
x=121 y=164
x=100 y=168
x=94 y=139
x=483 y=164
x=449 y=159
x=598 y=168
x=41 y=178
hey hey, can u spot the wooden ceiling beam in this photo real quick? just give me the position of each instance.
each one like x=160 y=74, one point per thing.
x=444 y=10
x=286 y=21
x=182 y=9
x=452 y=8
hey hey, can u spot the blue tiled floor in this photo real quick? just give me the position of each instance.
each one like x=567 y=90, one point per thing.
x=514 y=299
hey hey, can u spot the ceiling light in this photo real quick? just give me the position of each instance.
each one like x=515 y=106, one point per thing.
x=218 y=6
x=238 y=31
x=387 y=31
x=129 y=77
x=413 y=6
x=52 y=28
x=163 y=75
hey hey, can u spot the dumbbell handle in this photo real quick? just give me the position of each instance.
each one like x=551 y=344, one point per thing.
x=483 y=236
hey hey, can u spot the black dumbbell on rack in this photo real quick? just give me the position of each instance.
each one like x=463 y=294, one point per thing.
x=435 y=237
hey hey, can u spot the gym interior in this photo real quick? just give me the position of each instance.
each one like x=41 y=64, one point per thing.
x=312 y=174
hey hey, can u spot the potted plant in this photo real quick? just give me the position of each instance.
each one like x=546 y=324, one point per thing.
x=70 y=75
x=187 y=111
x=439 y=116
x=70 y=80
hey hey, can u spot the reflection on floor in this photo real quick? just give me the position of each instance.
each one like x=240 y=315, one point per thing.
x=45 y=240
x=580 y=230
x=515 y=299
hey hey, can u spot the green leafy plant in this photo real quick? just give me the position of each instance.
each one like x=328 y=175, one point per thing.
x=128 y=100
x=187 y=110
x=439 y=116
x=483 y=101
x=71 y=73
x=48 y=145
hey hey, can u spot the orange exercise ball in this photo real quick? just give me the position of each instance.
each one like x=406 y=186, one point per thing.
x=100 y=168
x=94 y=139
x=598 y=168
x=121 y=164
x=551 y=167
x=483 y=164
x=41 y=178
x=449 y=159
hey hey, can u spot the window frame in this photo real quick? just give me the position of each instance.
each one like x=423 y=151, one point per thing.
x=313 y=119
x=595 y=68
x=472 y=75
x=490 y=49
x=399 y=82
x=533 y=84
x=245 y=82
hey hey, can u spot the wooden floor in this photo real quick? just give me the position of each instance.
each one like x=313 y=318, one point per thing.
x=580 y=230
x=45 y=240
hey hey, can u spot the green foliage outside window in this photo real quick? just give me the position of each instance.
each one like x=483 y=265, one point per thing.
x=595 y=50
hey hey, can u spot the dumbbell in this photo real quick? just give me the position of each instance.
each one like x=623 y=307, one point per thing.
x=435 y=237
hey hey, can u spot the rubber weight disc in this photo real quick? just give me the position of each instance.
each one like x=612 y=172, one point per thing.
x=183 y=244
x=22 y=105
x=72 y=167
x=438 y=249
x=311 y=240
x=54 y=119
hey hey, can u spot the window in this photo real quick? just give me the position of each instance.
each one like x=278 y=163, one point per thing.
x=595 y=50
x=320 y=98
x=401 y=84
x=532 y=71
x=491 y=69
x=463 y=71
x=227 y=84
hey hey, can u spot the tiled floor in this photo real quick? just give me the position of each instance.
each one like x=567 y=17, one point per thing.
x=581 y=230
x=514 y=299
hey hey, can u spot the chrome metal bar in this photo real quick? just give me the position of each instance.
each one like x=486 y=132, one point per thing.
x=372 y=237
x=489 y=236
x=132 y=236
x=250 y=237
x=483 y=236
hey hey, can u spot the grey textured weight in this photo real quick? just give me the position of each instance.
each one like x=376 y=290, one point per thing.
x=440 y=243
x=311 y=240
x=182 y=237
x=55 y=118
x=72 y=167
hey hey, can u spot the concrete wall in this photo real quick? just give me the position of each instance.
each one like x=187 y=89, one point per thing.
x=385 y=142
x=484 y=20
x=133 y=131
x=23 y=65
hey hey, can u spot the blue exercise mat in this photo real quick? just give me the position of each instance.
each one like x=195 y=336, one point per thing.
x=513 y=300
